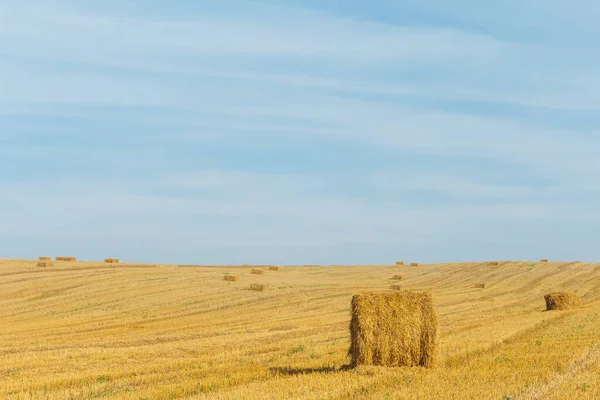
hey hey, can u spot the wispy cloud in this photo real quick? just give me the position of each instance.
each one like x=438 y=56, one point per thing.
x=305 y=131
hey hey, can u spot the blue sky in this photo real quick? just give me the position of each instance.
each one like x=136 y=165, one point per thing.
x=296 y=132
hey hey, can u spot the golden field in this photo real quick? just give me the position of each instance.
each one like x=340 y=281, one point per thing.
x=84 y=330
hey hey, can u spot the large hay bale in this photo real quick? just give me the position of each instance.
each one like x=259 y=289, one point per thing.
x=273 y=268
x=414 y=264
x=259 y=287
x=64 y=258
x=397 y=277
x=479 y=285
x=399 y=262
x=111 y=260
x=256 y=271
x=44 y=258
x=544 y=260
x=562 y=301
x=45 y=264
x=396 y=287
x=393 y=329
x=493 y=262
x=231 y=278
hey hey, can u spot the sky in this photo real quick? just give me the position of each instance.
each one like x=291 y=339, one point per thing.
x=300 y=132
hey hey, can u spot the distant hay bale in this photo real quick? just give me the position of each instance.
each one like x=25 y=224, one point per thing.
x=562 y=301
x=256 y=271
x=231 y=278
x=414 y=264
x=479 y=285
x=399 y=262
x=397 y=277
x=544 y=260
x=63 y=258
x=248 y=265
x=273 y=268
x=45 y=264
x=111 y=260
x=393 y=329
x=43 y=258
x=259 y=287
x=395 y=287
x=493 y=262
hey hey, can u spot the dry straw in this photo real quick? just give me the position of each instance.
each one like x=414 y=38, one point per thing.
x=397 y=277
x=562 y=301
x=111 y=260
x=45 y=258
x=256 y=271
x=414 y=264
x=399 y=262
x=273 y=268
x=395 y=287
x=66 y=258
x=259 y=287
x=45 y=264
x=231 y=278
x=393 y=329
x=480 y=285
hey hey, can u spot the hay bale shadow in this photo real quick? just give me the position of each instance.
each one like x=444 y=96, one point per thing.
x=289 y=371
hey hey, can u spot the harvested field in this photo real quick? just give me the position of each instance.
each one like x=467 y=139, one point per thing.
x=88 y=330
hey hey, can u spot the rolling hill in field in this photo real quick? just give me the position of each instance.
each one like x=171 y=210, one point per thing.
x=83 y=330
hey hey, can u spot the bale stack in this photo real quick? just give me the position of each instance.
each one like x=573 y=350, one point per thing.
x=111 y=260
x=562 y=301
x=399 y=262
x=259 y=287
x=397 y=277
x=256 y=271
x=64 y=258
x=231 y=278
x=393 y=329
x=45 y=264
x=414 y=264
x=44 y=258
x=273 y=268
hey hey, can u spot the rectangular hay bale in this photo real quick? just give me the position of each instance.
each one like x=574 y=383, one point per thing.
x=64 y=258
x=399 y=262
x=273 y=268
x=45 y=264
x=414 y=264
x=397 y=277
x=393 y=329
x=111 y=260
x=256 y=271
x=544 y=260
x=493 y=262
x=44 y=258
x=259 y=287
x=231 y=278
x=479 y=285
x=395 y=287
